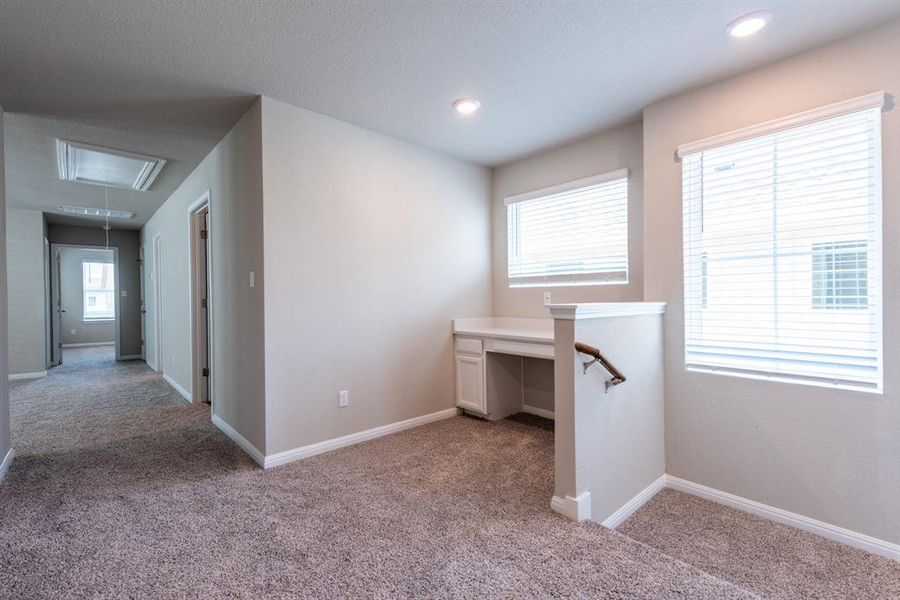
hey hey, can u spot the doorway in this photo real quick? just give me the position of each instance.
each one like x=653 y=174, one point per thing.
x=201 y=300
x=84 y=300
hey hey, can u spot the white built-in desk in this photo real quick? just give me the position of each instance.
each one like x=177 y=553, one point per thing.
x=488 y=361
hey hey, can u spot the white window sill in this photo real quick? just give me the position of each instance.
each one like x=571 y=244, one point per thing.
x=112 y=320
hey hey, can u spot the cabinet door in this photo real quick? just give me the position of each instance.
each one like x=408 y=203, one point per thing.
x=470 y=383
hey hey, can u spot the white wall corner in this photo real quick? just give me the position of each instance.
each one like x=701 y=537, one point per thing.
x=820 y=528
x=577 y=509
x=7 y=461
x=630 y=507
x=184 y=393
x=240 y=440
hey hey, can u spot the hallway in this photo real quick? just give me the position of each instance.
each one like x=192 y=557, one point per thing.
x=119 y=488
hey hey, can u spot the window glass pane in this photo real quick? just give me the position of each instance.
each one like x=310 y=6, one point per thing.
x=575 y=236
x=98 y=285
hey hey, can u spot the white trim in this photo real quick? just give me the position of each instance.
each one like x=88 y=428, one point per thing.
x=33 y=375
x=598 y=310
x=630 y=507
x=184 y=393
x=199 y=205
x=240 y=440
x=151 y=364
x=88 y=344
x=131 y=357
x=568 y=186
x=577 y=509
x=873 y=100
x=826 y=530
x=540 y=412
x=287 y=456
x=7 y=461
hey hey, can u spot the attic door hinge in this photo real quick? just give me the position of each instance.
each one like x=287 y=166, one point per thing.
x=206 y=372
x=203 y=303
x=203 y=234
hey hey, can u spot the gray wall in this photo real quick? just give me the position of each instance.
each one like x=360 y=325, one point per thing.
x=598 y=154
x=128 y=243
x=5 y=438
x=373 y=246
x=72 y=298
x=232 y=173
x=829 y=454
x=25 y=274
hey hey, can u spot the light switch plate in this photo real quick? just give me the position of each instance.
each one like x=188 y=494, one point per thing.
x=343 y=398
x=547 y=300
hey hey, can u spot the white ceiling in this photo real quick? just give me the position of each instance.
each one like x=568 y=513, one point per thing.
x=174 y=76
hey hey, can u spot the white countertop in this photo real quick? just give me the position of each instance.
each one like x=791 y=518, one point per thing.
x=506 y=328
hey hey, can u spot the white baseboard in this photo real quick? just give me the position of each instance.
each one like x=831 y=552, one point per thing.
x=577 y=509
x=88 y=344
x=240 y=440
x=826 y=530
x=130 y=357
x=34 y=375
x=540 y=412
x=287 y=456
x=152 y=365
x=184 y=393
x=630 y=507
x=7 y=461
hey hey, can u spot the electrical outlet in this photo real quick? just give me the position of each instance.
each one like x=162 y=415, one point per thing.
x=343 y=398
x=73 y=332
x=547 y=301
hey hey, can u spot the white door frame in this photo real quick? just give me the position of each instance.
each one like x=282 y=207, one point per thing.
x=203 y=203
x=158 y=359
x=54 y=265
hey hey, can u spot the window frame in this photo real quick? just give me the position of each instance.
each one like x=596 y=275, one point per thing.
x=85 y=318
x=587 y=278
x=875 y=259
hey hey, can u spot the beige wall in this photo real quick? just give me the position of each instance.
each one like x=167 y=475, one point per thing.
x=373 y=246
x=232 y=173
x=5 y=439
x=72 y=298
x=25 y=273
x=828 y=454
x=128 y=243
x=601 y=153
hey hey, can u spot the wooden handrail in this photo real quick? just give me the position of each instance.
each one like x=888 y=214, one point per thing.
x=617 y=376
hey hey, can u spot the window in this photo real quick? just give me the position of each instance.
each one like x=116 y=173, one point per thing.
x=571 y=234
x=782 y=252
x=98 y=285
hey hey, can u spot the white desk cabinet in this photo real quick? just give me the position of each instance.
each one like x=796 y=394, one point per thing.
x=487 y=361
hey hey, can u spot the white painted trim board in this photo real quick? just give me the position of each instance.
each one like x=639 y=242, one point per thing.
x=34 y=375
x=820 y=528
x=7 y=461
x=184 y=393
x=88 y=344
x=240 y=440
x=539 y=412
x=287 y=456
x=814 y=526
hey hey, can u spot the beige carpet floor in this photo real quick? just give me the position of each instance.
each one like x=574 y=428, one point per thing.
x=120 y=489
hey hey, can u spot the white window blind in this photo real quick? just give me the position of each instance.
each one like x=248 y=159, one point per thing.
x=98 y=286
x=576 y=233
x=782 y=253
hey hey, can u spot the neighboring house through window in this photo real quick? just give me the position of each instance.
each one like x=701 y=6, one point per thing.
x=98 y=286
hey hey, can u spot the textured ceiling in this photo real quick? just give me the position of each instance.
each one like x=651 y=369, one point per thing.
x=173 y=76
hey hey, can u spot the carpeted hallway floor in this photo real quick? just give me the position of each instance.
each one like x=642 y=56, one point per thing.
x=120 y=489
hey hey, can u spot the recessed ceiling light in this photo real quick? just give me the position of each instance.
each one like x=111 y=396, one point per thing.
x=466 y=106
x=85 y=211
x=86 y=163
x=749 y=24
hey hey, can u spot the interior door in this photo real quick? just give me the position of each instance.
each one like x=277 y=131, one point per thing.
x=56 y=302
x=143 y=306
x=204 y=304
